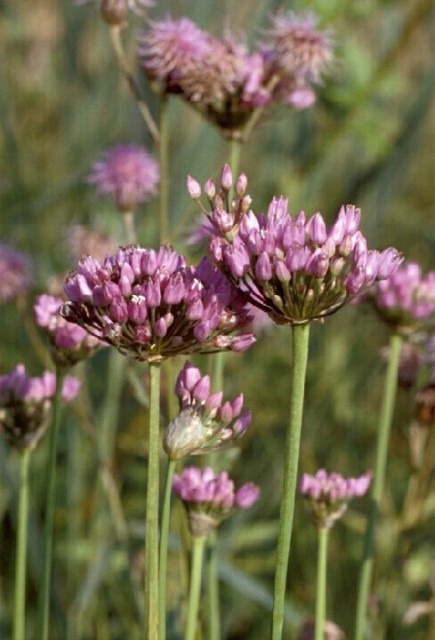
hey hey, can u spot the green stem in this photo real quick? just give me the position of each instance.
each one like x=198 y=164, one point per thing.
x=164 y=168
x=235 y=153
x=152 y=514
x=44 y=597
x=214 y=626
x=164 y=534
x=385 y=422
x=323 y=533
x=129 y=227
x=300 y=339
x=195 y=586
x=20 y=564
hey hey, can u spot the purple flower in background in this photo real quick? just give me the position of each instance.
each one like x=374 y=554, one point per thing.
x=151 y=306
x=25 y=404
x=293 y=268
x=81 y=240
x=69 y=342
x=15 y=273
x=204 y=423
x=127 y=172
x=327 y=494
x=209 y=498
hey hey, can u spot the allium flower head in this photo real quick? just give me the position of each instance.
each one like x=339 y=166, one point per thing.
x=15 y=276
x=204 y=423
x=127 y=172
x=69 y=342
x=81 y=240
x=210 y=498
x=327 y=494
x=294 y=268
x=25 y=404
x=151 y=306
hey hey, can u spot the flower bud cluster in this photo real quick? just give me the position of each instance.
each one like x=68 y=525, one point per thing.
x=25 y=404
x=210 y=498
x=15 y=273
x=204 y=423
x=151 y=306
x=294 y=268
x=69 y=342
x=327 y=494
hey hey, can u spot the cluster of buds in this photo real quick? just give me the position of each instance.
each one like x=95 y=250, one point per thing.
x=209 y=498
x=327 y=495
x=25 y=405
x=151 y=306
x=224 y=80
x=294 y=269
x=69 y=342
x=15 y=273
x=204 y=423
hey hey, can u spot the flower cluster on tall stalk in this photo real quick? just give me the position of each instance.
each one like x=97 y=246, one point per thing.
x=226 y=82
x=15 y=272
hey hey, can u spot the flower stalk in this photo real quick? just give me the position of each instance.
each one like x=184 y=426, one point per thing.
x=21 y=553
x=164 y=168
x=164 y=534
x=195 y=586
x=323 y=534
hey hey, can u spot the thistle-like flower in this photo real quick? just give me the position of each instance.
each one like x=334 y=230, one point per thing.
x=204 y=423
x=209 y=498
x=293 y=268
x=127 y=172
x=328 y=494
x=69 y=342
x=25 y=405
x=15 y=277
x=151 y=306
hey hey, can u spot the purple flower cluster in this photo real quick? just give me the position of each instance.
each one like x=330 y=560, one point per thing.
x=151 y=306
x=25 y=404
x=294 y=268
x=210 y=497
x=204 y=423
x=15 y=273
x=127 y=172
x=70 y=343
x=327 y=494
x=406 y=298
x=226 y=81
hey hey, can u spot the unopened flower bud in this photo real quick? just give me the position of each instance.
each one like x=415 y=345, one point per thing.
x=241 y=184
x=210 y=189
x=226 y=178
x=114 y=12
x=194 y=188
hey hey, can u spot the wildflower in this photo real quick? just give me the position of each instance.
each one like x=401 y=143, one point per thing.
x=81 y=240
x=294 y=268
x=25 y=405
x=15 y=273
x=327 y=494
x=209 y=498
x=204 y=423
x=69 y=342
x=129 y=173
x=151 y=306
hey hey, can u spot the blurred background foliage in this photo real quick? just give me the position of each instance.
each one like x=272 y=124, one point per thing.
x=369 y=140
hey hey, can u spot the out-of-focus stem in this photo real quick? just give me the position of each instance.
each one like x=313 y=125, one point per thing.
x=195 y=586
x=322 y=556
x=214 y=624
x=21 y=552
x=130 y=230
x=164 y=534
x=164 y=168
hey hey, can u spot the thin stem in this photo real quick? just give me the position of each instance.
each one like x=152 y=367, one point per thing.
x=385 y=422
x=321 y=583
x=214 y=624
x=44 y=597
x=152 y=514
x=20 y=563
x=164 y=168
x=235 y=153
x=300 y=339
x=164 y=534
x=195 y=586
x=130 y=230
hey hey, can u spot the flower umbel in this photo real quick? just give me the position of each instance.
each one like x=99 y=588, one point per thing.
x=210 y=498
x=15 y=273
x=151 y=306
x=327 y=494
x=204 y=423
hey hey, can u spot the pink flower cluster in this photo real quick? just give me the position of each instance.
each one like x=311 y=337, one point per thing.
x=204 y=423
x=151 y=306
x=15 y=273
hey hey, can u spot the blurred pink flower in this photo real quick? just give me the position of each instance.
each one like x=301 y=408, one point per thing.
x=15 y=272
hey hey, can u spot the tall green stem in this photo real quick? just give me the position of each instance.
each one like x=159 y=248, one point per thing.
x=235 y=153
x=152 y=514
x=164 y=168
x=44 y=594
x=300 y=340
x=20 y=562
x=195 y=586
x=385 y=422
x=213 y=613
x=164 y=534
x=322 y=556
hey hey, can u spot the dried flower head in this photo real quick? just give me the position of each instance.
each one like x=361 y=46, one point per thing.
x=127 y=172
x=151 y=306
x=210 y=498
x=327 y=494
x=25 y=405
x=15 y=273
